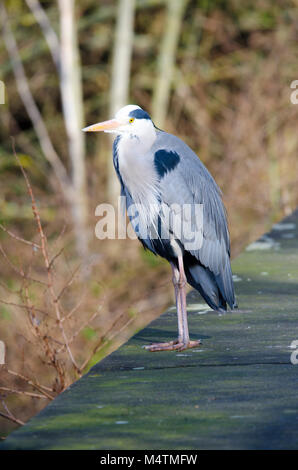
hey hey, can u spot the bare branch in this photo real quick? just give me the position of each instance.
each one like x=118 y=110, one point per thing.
x=23 y=306
x=66 y=57
x=22 y=392
x=18 y=271
x=119 y=92
x=44 y=250
x=16 y=237
x=73 y=112
x=30 y=105
x=46 y=27
x=10 y=416
x=41 y=388
x=75 y=308
x=69 y=282
x=56 y=257
x=74 y=336
x=106 y=338
x=166 y=60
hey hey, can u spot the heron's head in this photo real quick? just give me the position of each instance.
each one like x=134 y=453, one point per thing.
x=131 y=120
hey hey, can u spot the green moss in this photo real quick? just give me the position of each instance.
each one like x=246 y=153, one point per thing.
x=89 y=333
x=238 y=390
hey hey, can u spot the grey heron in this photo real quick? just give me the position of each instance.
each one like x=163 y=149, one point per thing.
x=158 y=170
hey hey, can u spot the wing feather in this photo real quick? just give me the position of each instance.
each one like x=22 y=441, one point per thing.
x=189 y=182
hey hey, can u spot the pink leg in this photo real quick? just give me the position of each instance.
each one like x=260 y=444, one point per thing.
x=183 y=341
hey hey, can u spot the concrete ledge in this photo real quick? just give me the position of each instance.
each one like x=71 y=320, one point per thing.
x=237 y=391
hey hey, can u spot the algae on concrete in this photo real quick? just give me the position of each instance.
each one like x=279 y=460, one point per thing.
x=237 y=391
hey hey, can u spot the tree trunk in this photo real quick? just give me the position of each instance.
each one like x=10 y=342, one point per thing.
x=72 y=102
x=166 y=60
x=123 y=46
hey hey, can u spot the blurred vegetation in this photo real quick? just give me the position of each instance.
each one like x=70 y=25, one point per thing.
x=229 y=100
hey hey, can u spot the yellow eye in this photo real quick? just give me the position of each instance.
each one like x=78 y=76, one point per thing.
x=131 y=120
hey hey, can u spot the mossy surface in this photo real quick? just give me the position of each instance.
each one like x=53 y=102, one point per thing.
x=237 y=391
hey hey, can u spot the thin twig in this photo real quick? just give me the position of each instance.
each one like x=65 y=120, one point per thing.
x=20 y=272
x=41 y=388
x=44 y=250
x=69 y=282
x=74 y=336
x=75 y=308
x=22 y=392
x=10 y=416
x=31 y=106
x=104 y=338
x=23 y=306
x=56 y=256
x=48 y=31
x=20 y=239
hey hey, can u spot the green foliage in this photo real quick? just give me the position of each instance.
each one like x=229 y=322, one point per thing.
x=8 y=162
x=5 y=313
x=132 y=312
x=150 y=259
x=96 y=288
x=89 y=333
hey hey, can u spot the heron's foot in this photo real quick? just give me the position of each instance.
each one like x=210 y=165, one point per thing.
x=176 y=345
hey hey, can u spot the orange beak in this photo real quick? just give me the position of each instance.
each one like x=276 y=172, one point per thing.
x=103 y=126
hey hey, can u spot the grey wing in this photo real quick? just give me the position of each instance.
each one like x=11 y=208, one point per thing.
x=190 y=183
x=135 y=220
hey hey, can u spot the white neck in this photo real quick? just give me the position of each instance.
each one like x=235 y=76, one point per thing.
x=136 y=166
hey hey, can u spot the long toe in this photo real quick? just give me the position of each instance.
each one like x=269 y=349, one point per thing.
x=161 y=346
x=172 y=346
x=189 y=345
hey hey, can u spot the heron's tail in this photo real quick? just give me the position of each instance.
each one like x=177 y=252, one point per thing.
x=216 y=290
